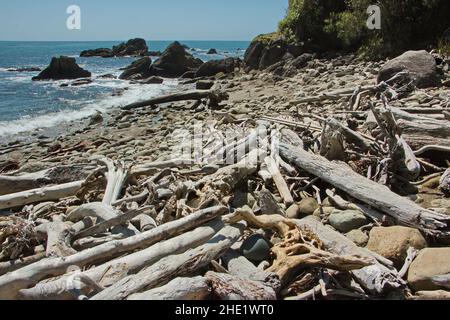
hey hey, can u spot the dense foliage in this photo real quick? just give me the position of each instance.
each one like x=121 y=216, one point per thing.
x=341 y=24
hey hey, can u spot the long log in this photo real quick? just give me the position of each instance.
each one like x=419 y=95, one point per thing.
x=113 y=271
x=11 y=283
x=28 y=181
x=39 y=195
x=187 y=289
x=174 y=266
x=183 y=96
x=341 y=176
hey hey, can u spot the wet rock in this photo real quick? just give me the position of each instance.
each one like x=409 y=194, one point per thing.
x=25 y=69
x=153 y=80
x=135 y=47
x=139 y=69
x=346 y=221
x=62 y=68
x=107 y=76
x=212 y=51
x=256 y=248
x=429 y=263
x=101 y=52
x=174 y=62
x=393 y=242
x=188 y=75
x=81 y=82
x=420 y=64
x=358 y=237
x=96 y=118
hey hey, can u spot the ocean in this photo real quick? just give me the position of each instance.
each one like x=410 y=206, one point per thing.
x=27 y=106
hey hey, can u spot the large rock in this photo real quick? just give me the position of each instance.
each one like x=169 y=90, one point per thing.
x=62 y=68
x=101 y=52
x=253 y=54
x=211 y=68
x=420 y=64
x=346 y=221
x=431 y=262
x=393 y=242
x=134 y=47
x=140 y=69
x=272 y=54
x=174 y=62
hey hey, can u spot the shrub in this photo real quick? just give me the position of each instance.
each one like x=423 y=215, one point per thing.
x=341 y=24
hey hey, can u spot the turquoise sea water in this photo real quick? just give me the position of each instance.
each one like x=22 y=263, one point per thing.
x=26 y=105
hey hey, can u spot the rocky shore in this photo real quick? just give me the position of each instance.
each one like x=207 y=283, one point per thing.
x=335 y=185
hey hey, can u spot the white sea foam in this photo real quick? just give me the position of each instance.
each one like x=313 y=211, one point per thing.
x=133 y=94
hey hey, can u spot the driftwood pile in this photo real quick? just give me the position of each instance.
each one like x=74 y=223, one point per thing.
x=173 y=230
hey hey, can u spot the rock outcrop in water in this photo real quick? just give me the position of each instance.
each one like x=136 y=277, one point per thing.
x=173 y=63
x=62 y=68
x=134 y=47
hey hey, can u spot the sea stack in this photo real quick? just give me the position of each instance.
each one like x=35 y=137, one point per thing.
x=61 y=68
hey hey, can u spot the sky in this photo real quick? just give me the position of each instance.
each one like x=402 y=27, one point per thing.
x=108 y=20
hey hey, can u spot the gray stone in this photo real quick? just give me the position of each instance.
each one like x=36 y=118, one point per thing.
x=256 y=248
x=358 y=237
x=345 y=221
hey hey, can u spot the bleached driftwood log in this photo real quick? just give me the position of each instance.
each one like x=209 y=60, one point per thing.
x=30 y=275
x=376 y=278
x=52 y=193
x=13 y=265
x=174 y=266
x=351 y=136
x=29 y=181
x=341 y=176
x=231 y=287
x=111 y=272
x=58 y=236
x=188 y=289
x=212 y=95
x=431 y=295
x=281 y=184
x=420 y=134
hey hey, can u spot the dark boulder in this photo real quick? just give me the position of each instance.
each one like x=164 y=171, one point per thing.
x=140 y=69
x=253 y=54
x=272 y=54
x=102 y=52
x=154 y=53
x=420 y=65
x=62 y=68
x=204 y=84
x=211 y=68
x=212 y=51
x=153 y=80
x=25 y=69
x=302 y=60
x=174 y=62
x=134 y=47
x=188 y=75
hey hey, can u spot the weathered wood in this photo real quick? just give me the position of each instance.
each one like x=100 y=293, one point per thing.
x=187 y=289
x=114 y=270
x=58 y=234
x=173 y=266
x=13 y=265
x=183 y=96
x=352 y=136
x=230 y=287
x=28 y=276
x=104 y=226
x=281 y=184
x=344 y=178
x=52 y=193
x=376 y=278
x=29 y=181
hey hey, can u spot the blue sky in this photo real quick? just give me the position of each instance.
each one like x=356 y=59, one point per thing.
x=149 y=19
